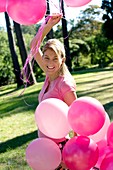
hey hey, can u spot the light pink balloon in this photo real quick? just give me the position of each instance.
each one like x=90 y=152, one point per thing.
x=41 y=135
x=80 y=153
x=51 y=118
x=86 y=116
x=43 y=154
x=3 y=5
x=102 y=133
x=76 y=3
x=26 y=12
x=107 y=163
x=110 y=134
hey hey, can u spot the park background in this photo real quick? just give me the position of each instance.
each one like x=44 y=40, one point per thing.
x=91 y=51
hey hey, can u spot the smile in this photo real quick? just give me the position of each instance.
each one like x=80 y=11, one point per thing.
x=51 y=68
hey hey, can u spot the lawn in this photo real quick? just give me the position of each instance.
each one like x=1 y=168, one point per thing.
x=17 y=107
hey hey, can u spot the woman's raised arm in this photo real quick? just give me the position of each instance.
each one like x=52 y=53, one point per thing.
x=53 y=20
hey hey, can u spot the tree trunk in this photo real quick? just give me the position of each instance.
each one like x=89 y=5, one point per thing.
x=16 y=66
x=29 y=73
x=50 y=34
x=66 y=39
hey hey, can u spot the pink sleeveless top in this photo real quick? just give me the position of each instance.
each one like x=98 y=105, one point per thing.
x=59 y=87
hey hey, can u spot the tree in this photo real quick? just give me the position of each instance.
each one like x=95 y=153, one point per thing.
x=28 y=73
x=102 y=45
x=100 y=51
x=77 y=48
x=107 y=6
x=50 y=34
x=65 y=38
x=88 y=29
x=13 y=52
x=88 y=23
x=7 y=75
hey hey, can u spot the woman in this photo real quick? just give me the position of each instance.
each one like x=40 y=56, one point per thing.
x=58 y=82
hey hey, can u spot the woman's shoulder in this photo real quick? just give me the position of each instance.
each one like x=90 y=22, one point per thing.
x=66 y=81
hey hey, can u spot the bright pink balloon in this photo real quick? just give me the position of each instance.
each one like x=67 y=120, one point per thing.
x=102 y=133
x=80 y=153
x=104 y=150
x=107 y=163
x=110 y=134
x=51 y=118
x=43 y=154
x=86 y=116
x=3 y=5
x=26 y=12
x=102 y=146
x=41 y=135
x=76 y=3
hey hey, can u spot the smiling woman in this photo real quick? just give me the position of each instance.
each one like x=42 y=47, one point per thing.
x=58 y=83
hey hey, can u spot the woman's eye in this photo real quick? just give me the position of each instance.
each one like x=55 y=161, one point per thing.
x=55 y=59
x=46 y=58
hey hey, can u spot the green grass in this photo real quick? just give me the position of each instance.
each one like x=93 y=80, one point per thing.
x=17 y=107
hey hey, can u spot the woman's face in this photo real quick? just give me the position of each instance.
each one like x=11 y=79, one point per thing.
x=52 y=62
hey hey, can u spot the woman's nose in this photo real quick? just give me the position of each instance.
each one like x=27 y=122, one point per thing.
x=50 y=62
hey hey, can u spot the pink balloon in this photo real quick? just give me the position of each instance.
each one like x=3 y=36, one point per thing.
x=107 y=163
x=43 y=154
x=51 y=118
x=3 y=6
x=26 y=12
x=102 y=133
x=104 y=150
x=102 y=146
x=76 y=3
x=41 y=135
x=80 y=153
x=110 y=134
x=86 y=116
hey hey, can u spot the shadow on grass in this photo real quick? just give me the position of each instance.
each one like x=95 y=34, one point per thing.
x=7 y=93
x=92 y=81
x=90 y=70
x=17 y=142
x=19 y=104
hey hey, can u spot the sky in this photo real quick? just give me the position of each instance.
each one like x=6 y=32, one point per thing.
x=70 y=13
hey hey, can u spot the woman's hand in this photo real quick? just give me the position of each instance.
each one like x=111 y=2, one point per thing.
x=54 y=19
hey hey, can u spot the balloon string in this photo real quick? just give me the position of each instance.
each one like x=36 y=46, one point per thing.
x=60 y=10
x=35 y=48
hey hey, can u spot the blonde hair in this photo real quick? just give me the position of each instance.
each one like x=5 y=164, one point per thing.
x=58 y=48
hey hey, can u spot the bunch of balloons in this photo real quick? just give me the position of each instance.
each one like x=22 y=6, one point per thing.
x=92 y=146
x=28 y=12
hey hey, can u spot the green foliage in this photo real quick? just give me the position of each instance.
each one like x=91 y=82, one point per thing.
x=100 y=50
x=93 y=49
x=6 y=66
x=89 y=41
x=28 y=29
x=88 y=23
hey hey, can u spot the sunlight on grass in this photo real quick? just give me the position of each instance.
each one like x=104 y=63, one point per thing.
x=96 y=84
x=17 y=124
